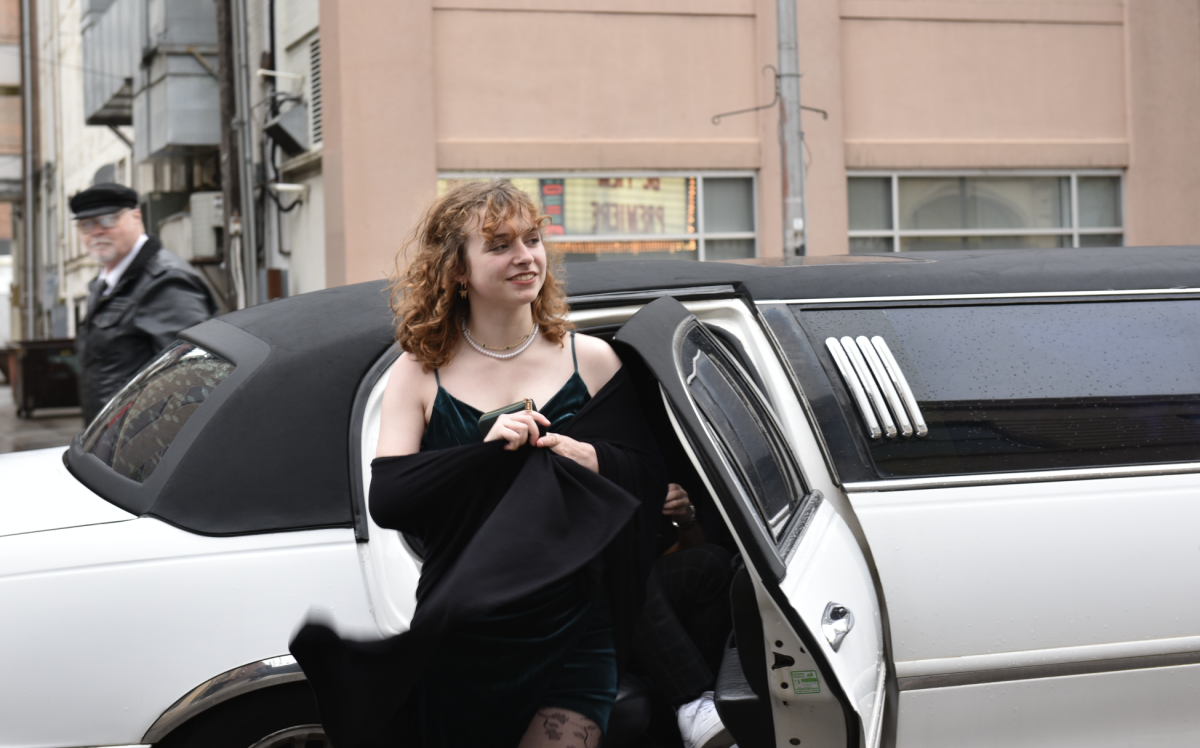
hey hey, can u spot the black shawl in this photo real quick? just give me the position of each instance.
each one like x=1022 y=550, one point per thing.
x=531 y=518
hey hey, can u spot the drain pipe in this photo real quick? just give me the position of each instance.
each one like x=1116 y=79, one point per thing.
x=29 y=292
x=243 y=122
x=791 y=137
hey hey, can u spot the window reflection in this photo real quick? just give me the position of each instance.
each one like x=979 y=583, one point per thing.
x=137 y=426
x=746 y=433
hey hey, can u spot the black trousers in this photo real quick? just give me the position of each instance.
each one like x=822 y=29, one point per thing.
x=680 y=637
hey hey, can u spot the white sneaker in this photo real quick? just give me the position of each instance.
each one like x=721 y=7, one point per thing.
x=701 y=726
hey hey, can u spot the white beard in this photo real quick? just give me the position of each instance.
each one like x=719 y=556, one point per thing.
x=104 y=251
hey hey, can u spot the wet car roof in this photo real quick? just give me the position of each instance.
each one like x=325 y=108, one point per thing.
x=911 y=274
x=275 y=454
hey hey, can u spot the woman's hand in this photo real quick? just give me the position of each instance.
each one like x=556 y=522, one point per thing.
x=517 y=428
x=581 y=452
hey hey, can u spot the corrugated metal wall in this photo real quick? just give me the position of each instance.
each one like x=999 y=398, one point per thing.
x=151 y=64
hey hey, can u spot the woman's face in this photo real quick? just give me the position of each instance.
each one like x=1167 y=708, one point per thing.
x=510 y=268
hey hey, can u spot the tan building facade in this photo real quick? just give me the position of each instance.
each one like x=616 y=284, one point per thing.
x=950 y=123
x=647 y=129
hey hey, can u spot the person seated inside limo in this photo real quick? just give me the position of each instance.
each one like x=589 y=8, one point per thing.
x=679 y=639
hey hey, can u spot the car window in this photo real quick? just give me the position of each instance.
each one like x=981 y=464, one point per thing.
x=1033 y=386
x=745 y=430
x=137 y=426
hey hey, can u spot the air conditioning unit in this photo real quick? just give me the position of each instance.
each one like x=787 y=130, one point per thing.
x=208 y=223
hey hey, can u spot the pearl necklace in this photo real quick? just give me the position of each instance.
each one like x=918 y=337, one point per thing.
x=502 y=356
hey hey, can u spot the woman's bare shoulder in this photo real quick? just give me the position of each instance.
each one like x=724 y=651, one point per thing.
x=408 y=381
x=402 y=420
x=598 y=362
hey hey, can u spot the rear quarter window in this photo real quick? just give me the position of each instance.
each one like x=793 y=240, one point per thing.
x=138 y=426
x=1030 y=386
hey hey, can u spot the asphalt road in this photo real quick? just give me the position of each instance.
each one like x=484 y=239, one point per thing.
x=46 y=429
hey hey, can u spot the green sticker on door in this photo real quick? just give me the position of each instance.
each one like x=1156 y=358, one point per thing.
x=805 y=681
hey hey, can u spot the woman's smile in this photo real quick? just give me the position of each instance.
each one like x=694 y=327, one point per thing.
x=526 y=277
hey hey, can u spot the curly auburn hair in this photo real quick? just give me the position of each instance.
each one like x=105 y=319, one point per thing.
x=424 y=294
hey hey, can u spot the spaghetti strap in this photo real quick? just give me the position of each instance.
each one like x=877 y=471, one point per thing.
x=436 y=378
x=574 y=358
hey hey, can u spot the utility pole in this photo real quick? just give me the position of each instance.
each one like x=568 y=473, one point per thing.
x=231 y=193
x=791 y=137
x=29 y=290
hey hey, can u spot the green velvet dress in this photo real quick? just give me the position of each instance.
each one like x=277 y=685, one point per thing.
x=553 y=648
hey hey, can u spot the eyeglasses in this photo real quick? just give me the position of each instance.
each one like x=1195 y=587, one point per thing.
x=107 y=221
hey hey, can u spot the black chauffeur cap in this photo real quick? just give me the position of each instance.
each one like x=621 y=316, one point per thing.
x=103 y=198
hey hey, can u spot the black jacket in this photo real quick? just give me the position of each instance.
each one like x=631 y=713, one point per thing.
x=158 y=295
x=534 y=518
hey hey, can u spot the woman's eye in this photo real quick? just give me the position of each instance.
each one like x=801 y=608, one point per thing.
x=533 y=241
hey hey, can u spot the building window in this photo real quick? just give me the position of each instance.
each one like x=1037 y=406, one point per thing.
x=911 y=212
x=697 y=216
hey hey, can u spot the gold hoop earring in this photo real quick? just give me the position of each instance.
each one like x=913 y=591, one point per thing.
x=462 y=292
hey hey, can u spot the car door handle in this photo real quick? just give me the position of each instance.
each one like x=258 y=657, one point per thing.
x=836 y=623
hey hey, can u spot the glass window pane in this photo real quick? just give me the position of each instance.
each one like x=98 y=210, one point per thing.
x=1101 y=240
x=728 y=204
x=526 y=185
x=1039 y=386
x=728 y=249
x=1099 y=202
x=608 y=206
x=683 y=249
x=935 y=243
x=745 y=431
x=984 y=202
x=861 y=245
x=870 y=201
x=137 y=426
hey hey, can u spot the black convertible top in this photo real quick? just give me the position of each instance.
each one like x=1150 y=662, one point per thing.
x=910 y=274
x=276 y=450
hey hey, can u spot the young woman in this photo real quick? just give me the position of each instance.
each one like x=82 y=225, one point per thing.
x=482 y=315
x=481 y=320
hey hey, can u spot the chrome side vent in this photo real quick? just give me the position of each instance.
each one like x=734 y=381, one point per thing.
x=901 y=384
x=872 y=388
x=877 y=386
x=855 y=384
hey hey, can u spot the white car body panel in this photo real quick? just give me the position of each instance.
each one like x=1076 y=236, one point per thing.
x=1152 y=707
x=39 y=494
x=986 y=570
x=390 y=569
x=131 y=616
x=829 y=567
x=981 y=580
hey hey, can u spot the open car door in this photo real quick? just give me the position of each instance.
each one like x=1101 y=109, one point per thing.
x=809 y=668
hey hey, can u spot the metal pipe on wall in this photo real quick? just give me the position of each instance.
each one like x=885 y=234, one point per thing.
x=245 y=168
x=231 y=181
x=30 y=260
x=791 y=137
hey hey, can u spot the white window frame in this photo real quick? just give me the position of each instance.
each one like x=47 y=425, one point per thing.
x=701 y=236
x=1073 y=231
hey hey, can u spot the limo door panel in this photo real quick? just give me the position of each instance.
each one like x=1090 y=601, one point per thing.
x=820 y=613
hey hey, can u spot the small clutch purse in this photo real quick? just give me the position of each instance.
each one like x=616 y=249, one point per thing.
x=488 y=419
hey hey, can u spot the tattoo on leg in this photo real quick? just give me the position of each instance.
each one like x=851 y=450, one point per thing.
x=569 y=729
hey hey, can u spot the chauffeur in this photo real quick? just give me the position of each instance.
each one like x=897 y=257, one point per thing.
x=145 y=294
